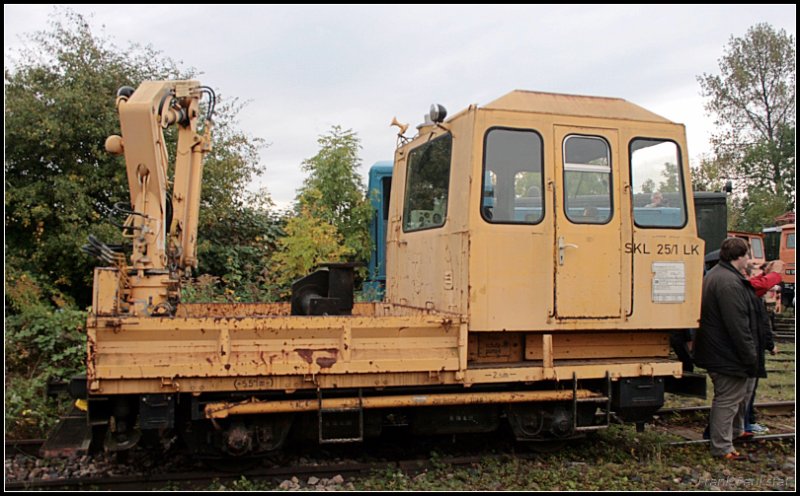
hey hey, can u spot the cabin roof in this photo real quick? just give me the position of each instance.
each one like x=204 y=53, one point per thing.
x=575 y=105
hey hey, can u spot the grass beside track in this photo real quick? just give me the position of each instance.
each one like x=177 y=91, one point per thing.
x=778 y=386
x=617 y=459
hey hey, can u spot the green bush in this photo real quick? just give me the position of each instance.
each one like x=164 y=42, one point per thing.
x=48 y=342
x=41 y=343
x=29 y=413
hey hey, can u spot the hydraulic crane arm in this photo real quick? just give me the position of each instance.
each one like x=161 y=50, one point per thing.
x=144 y=114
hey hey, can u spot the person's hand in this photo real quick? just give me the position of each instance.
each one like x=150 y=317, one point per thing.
x=774 y=350
x=776 y=266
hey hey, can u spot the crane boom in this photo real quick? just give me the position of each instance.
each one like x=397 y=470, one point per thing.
x=157 y=262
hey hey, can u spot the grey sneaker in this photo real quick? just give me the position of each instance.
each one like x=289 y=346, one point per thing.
x=758 y=429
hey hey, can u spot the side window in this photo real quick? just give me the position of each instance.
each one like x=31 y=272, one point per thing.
x=427 y=183
x=387 y=194
x=657 y=184
x=587 y=180
x=512 y=177
x=757 y=248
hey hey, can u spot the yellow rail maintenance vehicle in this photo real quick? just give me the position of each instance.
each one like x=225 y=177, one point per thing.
x=540 y=251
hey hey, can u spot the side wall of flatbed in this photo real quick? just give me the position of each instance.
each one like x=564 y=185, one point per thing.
x=380 y=346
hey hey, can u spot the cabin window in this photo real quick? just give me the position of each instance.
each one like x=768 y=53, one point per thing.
x=657 y=184
x=427 y=183
x=386 y=182
x=513 y=184
x=587 y=180
x=757 y=248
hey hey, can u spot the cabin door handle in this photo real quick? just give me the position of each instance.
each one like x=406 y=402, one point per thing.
x=562 y=246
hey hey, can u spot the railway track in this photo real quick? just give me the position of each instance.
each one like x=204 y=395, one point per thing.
x=770 y=408
x=191 y=478
x=763 y=437
x=201 y=480
x=692 y=431
x=28 y=447
x=784 y=330
x=197 y=479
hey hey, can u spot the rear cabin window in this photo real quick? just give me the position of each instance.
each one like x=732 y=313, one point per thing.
x=512 y=177
x=658 y=198
x=790 y=241
x=427 y=183
x=587 y=180
x=758 y=248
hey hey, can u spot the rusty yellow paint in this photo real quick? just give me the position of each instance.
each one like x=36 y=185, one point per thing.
x=546 y=349
x=106 y=294
x=597 y=345
x=496 y=347
x=583 y=369
x=506 y=277
x=253 y=406
x=468 y=303
x=477 y=374
x=152 y=347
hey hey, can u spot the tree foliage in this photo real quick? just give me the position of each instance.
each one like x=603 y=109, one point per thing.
x=710 y=174
x=331 y=222
x=334 y=191
x=310 y=241
x=755 y=211
x=41 y=344
x=61 y=184
x=235 y=252
x=753 y=102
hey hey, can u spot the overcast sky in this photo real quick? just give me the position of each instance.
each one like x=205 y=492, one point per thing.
x=306 y=68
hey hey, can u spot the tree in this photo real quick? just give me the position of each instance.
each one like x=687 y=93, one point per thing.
x=332 y=213
x=709 y=174
x=60 y=183
x=236 y=247
x=753 y=101
x=310 y=241
x=341 y=202
x=670 y=184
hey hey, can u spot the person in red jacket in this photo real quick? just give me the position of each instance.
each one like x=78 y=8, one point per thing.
x=769 y=277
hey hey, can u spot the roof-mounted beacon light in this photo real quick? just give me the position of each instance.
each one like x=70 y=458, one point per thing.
x=438 y=112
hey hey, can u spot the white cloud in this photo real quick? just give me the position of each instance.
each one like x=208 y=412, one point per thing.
x=305 y=68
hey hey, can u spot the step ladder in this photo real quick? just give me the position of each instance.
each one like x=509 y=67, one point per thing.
x=70 y=438
x=601 y=399
x=340 y=413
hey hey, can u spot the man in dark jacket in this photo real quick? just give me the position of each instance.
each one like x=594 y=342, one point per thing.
x=726 y=345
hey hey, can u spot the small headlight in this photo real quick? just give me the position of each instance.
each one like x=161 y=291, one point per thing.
x=438 y=113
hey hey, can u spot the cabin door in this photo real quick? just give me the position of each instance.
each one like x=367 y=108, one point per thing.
x=587 y=242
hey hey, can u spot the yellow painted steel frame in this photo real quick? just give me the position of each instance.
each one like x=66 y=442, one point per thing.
x=508 y=277
x=380 y=346
x=253 y=406
x=252 y=348
x=468 y=276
